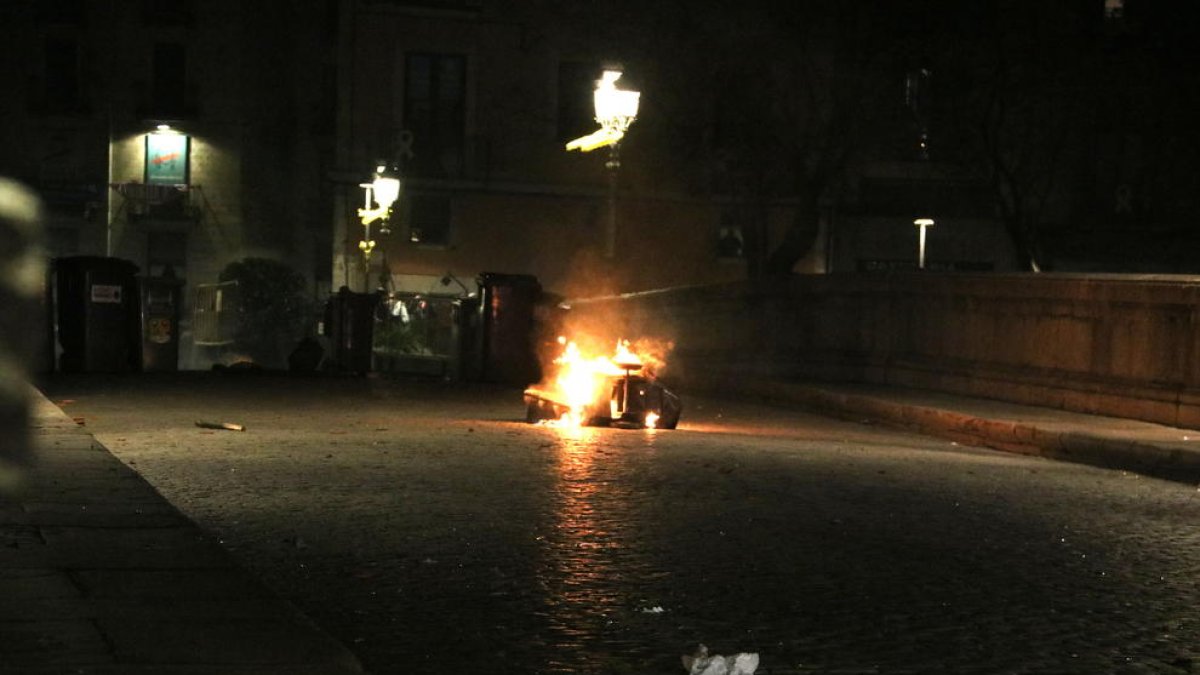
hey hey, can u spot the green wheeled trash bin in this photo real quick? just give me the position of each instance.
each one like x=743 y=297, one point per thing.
x=95 y=308
x=350 y=326
x=506 y=337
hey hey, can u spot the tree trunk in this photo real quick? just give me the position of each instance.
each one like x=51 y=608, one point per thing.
x=799 y=238
x=1025 y=248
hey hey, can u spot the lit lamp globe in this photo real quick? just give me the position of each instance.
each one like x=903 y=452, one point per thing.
x=615 y=108
x=385 y=189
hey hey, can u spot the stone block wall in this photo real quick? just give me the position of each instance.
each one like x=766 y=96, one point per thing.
x=1119 y=345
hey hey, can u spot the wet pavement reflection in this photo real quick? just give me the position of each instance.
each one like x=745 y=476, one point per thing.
x=433 y=533
x=592 y=557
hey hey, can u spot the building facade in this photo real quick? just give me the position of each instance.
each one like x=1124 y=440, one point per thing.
x=273 y=114
x=181 y=135
x=474 y=102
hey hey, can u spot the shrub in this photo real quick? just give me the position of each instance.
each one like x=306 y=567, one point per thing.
x=274 y=311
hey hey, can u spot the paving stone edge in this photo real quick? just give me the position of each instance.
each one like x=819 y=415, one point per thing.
x=1152 y=459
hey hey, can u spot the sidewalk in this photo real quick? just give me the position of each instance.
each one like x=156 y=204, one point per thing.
x=1142 y=447
x=99 y=574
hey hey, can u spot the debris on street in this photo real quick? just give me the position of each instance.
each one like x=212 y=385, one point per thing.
x=700 y=663
x=227 y=426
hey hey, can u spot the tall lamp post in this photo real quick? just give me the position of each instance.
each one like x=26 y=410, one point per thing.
x=616 y=109
x=922 y=224
x=383 y=191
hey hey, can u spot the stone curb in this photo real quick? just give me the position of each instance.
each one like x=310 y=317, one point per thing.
x=1059 y=441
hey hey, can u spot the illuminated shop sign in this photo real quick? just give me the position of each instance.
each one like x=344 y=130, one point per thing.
x=166 y=159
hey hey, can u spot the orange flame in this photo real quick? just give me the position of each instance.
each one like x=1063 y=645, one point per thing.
x=580 y=380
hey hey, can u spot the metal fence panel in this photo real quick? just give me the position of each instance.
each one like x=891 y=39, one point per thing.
x=213 y=314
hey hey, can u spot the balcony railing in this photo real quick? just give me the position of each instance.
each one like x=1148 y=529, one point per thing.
x=142 y=201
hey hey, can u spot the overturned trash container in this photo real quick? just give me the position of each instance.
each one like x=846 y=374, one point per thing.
x=349 y=325
x=95 y=310
x=160 y=309
x=628 y=401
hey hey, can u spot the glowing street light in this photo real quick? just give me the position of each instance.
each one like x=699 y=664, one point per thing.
x=383 y=191
x=616 y=109
x=922 y=223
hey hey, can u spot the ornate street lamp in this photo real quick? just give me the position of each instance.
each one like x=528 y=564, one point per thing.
x=616 y=109
x=383 y=191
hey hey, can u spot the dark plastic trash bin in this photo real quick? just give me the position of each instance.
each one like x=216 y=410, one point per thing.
x=349 y=325
x=160 y=298
x=95 y=308
x=507 y=306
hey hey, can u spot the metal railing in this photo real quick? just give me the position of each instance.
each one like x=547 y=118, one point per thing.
x=213 y=314
x=417 y=333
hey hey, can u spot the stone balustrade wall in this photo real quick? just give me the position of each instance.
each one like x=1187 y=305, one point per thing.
x=1117 y=345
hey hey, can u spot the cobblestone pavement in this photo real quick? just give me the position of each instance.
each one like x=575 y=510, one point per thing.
x=433 y=532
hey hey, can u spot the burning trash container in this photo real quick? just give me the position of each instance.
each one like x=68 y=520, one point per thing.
x=619 y=391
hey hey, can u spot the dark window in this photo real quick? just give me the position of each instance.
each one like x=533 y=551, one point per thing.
x=333 y=16
x=916 y=99
x=62 y=93
x=168 y=79
x=731 y=242
x=167 y=12
x=62 y=12
x=435 y=112
x=429 y=220
x=472 y=5
x=576 y=111
x=166 y=251
x=736 y=120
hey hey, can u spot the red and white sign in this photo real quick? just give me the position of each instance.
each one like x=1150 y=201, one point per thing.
x=106 y=294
